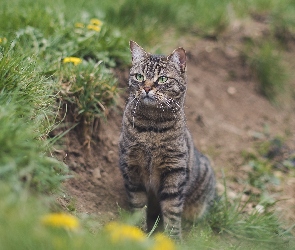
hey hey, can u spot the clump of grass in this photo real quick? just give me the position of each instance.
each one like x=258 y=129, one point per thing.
x=270 y=157
x=25 y=96
x=147 y=21
x=206 y=18
x=78 y=58
x=89 y=86
x=23 y=159
x=283 y=21
x=27 y=223
x=266 y=62
x=20 y=83
x=228 y=225
x=83 y=40
x=143 y=22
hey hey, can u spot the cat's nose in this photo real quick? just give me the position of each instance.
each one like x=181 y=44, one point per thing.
x=147 y=89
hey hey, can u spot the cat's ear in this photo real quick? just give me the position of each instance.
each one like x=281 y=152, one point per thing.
x=137 y=52
x=178 y=56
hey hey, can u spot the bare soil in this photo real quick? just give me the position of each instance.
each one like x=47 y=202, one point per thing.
x=225 y=113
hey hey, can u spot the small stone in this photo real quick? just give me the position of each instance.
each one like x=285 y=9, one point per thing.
x=231 y=90
x=260 y=209
x=110 y=156
x=96 y=173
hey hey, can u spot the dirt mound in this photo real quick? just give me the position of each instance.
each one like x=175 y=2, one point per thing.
x=225 y=114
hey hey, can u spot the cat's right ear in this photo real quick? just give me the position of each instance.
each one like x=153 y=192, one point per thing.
x=137 y=52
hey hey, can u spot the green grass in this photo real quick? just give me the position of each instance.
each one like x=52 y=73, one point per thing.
x=149 y=21
x=269 y=156
x=228 y=227
x=90 y=87
x=25 y=109
x=225 y=227
x=266 y=61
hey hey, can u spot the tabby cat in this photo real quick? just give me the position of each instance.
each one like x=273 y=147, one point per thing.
x=159 y=163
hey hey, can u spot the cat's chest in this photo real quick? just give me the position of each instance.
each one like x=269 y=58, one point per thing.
x=150 y=141
x=146 y=159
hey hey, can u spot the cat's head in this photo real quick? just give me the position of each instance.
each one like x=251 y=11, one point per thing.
x=157 y=80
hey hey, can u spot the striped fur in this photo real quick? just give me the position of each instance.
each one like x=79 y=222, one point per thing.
x=159 y=163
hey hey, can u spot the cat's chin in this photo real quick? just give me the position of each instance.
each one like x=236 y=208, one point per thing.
x=149 y=101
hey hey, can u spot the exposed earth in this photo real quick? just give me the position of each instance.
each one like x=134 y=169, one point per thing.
x=225 y=113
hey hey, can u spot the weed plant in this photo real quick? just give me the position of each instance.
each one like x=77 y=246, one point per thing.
x=229 y=226
x=225 y=227
x=25 y=228
x=79 y=59
x=25 y=99
x=265 y=60
x=271 y=156
x=89 y=86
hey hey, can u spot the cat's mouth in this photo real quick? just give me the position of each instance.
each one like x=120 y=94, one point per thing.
x=148 y=99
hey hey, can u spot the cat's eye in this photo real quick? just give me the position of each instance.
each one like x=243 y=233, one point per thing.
x=139 y=77
x=162 y=79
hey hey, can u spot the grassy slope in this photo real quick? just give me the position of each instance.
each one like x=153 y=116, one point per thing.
x=36 y=36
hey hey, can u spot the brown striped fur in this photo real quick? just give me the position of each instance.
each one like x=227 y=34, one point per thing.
x=159 y=163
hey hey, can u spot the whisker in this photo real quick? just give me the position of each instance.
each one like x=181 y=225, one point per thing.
x=173 y=101
x=173 y=111
x=133 y=99
x=134 y=111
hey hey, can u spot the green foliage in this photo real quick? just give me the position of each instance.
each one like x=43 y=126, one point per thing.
x=20 y=83
x=27 y=14
x=33 y=76
x=147 y=21
x=266 y=62
x=89 y=86
x=23 y=162
x=207 y=18
x=266 y=168
x=25 y=96
x=23 y=226
x=283 y=21
x=103 y=43
x=107 y=45
x=228 y=226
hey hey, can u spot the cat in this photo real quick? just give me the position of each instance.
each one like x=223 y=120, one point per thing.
x=160 y=166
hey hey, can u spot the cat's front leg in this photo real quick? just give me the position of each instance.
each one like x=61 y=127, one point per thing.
x=136 y=193
x=135 y=190
x=171 y=196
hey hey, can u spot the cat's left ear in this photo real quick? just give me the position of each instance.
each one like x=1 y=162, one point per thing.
x=178 y=56
x=137 y=52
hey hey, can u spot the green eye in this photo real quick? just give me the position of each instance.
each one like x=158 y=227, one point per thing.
x=162 y=79
x=139 y=77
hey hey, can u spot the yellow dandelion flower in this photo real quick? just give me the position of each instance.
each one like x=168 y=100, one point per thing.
x=120 y=232
x=93 y=27
x=60 y=220
x=79 y=25
x=163 y=242
x=74 y=60
x=3 y=40
x=95 y=21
